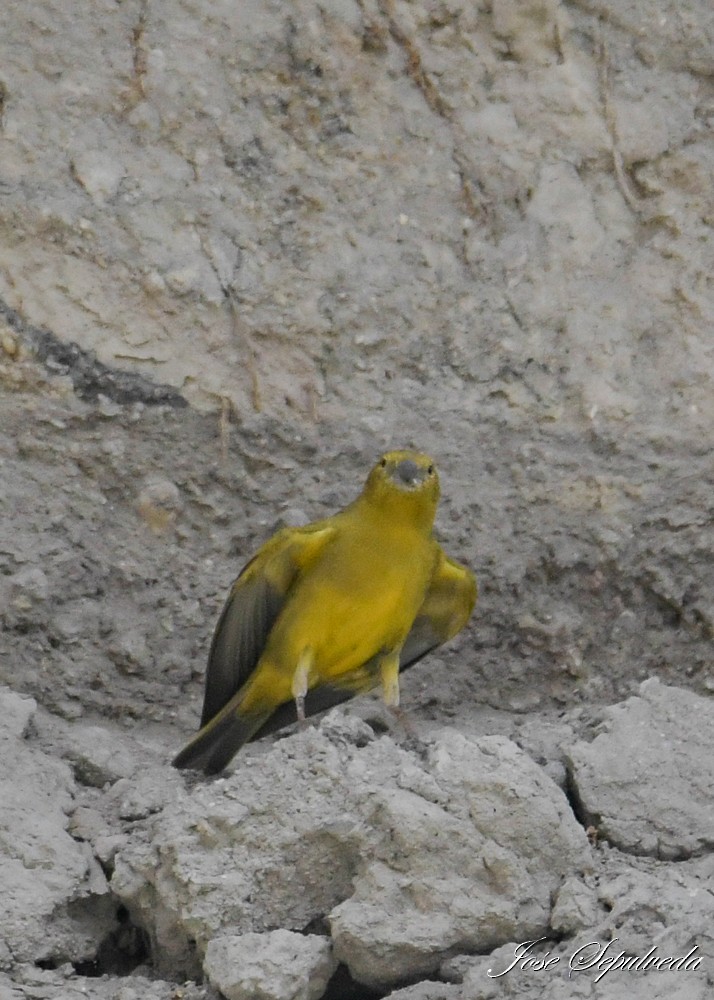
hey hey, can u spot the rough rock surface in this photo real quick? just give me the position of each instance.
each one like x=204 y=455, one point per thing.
x=243 y=248
x=385 y=183
x=643 y=906
x=410 y=859
x=276 y=965
x=645 y=782
x=55 y=904
x=30 y=983
x=479 y=841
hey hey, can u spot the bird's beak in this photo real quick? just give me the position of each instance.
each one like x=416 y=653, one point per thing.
x=409 y=472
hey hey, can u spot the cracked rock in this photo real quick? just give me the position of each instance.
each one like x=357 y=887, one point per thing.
x=31 y=983
x=646 y=782
x=411 y=858
x=278 y=965
x=55 y=903
x=644 y=908
x=575 y=907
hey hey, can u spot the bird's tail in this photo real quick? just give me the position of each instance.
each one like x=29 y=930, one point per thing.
x=219 y=740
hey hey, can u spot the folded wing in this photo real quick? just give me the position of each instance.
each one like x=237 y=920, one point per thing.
x=256 y=599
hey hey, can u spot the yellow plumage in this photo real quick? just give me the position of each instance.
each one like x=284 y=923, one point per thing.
x=327 y=611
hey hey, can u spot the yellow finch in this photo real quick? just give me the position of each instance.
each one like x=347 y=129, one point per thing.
x=331 y=610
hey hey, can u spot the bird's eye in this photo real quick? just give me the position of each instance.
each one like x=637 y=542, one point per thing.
x=383 y=463
x=430 y=470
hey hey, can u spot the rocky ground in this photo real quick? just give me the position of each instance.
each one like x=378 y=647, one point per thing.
x=243 y=249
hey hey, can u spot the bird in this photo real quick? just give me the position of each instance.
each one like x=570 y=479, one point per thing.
x=332 y=609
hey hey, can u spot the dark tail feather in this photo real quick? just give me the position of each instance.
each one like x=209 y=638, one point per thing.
x=219 y=741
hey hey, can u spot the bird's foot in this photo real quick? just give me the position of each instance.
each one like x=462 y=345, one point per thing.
x=403 y=719
x=411 y=741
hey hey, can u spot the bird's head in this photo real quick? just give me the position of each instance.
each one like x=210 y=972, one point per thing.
x=405 y=480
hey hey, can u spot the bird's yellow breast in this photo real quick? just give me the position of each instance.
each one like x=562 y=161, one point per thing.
x=359 y=599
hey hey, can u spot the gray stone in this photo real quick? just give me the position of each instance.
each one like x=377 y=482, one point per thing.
x=276 y=965
x=651 y=910
x=17 y=712
x=29 y=585
x=646 y=782
x=426 y=991
x=30 y=983
x=559 y=985
x=129 y=652
x=54 y=899
x=668 y=906
x=575 y=907
x=412 y=859
x=98 y=755
x=487 y=835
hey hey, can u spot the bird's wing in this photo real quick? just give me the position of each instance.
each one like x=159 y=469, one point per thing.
x=447 y=606
x=254 y=603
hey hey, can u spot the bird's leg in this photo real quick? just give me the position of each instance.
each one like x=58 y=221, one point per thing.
x=389 y=674
x=300 y=683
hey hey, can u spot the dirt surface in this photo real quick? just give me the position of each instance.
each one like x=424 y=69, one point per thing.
x=243 y=250
x=130 y=522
